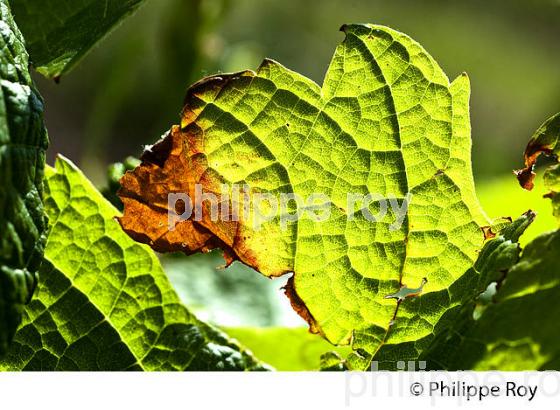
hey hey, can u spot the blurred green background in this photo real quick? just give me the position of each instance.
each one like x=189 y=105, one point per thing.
x=129 y=90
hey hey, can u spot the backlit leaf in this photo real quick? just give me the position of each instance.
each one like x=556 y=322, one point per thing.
x=103 y=301
x=386 y=121
x=518 y=329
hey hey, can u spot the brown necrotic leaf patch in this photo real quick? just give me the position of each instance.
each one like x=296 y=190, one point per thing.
x=299 y=306
x=488 y=232
x=526 y=176
x=168 y=167
x=544 y=141
x=144 y=193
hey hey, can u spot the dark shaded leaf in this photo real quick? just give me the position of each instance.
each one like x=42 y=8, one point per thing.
x=59 y=33
x=23 y=141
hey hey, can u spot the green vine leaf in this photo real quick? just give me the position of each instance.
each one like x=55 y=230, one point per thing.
x=60 y=33
x=387 y=121
x=544 y=141
x=512 y=325
x=103 y=302
x=23 y=141
x=517 y=330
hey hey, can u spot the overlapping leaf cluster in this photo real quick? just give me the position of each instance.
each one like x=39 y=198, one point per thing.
x=517 y=329
x=103 y=302
x=386 y=121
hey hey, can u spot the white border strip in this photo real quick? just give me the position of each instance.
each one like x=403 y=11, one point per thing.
x=286 y=391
